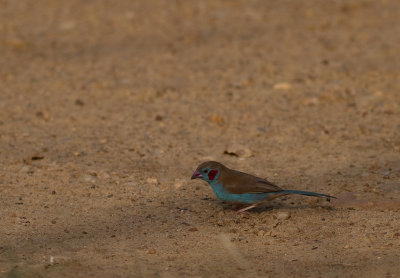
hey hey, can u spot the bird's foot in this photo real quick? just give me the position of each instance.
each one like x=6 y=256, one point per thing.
x=246 y=208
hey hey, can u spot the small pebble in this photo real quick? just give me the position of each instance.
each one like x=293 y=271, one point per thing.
x=79 y=102
x=310 y=101
x=130 y=183
x=282 y=86
x=26 y=169
x=37 y=157
x=151 y=180
x=238 y=150
x=283 y=215
x=178 y=184
x=89 y=178
x=217 y=119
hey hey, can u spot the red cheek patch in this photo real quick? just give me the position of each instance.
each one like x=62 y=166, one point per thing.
x=212 y=174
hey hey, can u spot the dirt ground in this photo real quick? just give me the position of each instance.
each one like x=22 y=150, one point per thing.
x=107 y=107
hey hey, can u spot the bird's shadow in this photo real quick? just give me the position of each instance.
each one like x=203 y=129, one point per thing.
x=275 y=205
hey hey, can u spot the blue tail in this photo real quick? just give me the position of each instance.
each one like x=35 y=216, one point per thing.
x=307 y=193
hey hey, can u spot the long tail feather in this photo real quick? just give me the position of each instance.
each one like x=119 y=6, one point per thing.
x=307 y=193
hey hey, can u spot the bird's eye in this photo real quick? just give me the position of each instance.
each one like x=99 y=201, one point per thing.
x=205 y=171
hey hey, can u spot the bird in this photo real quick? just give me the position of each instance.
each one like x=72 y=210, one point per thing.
x=236 y=187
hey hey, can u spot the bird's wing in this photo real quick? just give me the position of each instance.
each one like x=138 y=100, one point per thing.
x=238 y=183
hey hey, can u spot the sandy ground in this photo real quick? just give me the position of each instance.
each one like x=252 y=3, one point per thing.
x=106 y=109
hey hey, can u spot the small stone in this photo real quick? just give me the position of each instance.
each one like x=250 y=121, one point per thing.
x=386 y=175
x=37 y=157
x=43 y=115
x=283 y=215
x=269 y=234
x=310 y=101
x=79 y=102
x=178 y=184
x=238 y=150
x=89 y=178
x=130 y=183
x=152 y=180
x=26 y=169
x=151 y=251
x=217 y=119
x=193 y=229
x=282 y=86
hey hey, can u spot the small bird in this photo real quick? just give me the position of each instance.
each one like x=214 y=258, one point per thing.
x=237 y=187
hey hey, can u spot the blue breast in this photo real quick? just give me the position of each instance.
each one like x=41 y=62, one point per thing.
x=245 y=198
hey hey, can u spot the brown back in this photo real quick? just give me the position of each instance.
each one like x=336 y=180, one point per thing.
x=238 y=182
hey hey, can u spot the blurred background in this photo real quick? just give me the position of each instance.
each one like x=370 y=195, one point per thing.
x=106 y=108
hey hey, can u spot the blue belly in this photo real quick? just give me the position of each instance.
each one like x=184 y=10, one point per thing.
x=245 y=198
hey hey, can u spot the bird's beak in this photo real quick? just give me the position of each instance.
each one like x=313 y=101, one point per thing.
x=196 y=175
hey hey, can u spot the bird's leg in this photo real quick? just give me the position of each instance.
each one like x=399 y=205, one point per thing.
x=246 y=208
